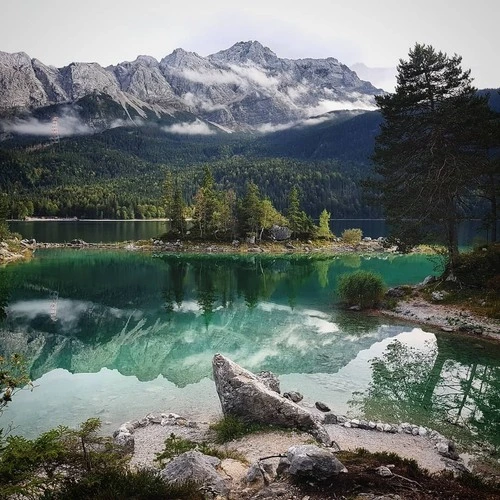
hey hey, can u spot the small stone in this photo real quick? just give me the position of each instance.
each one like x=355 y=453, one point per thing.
x=414 y=431
x=363 y=424
x=347 y=424
x=422 y=431
x=294 y=396
x=341 y=419
x=387 y=427
x=380 y=427
x=372 y=424
x=321 y=406
x=355 y=423
x=330 y=418
x=442 y=448
x=383 y=471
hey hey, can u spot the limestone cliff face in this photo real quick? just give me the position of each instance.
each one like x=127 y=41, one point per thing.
x=244 y=87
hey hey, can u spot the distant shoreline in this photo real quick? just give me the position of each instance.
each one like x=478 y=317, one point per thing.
x=76 y=219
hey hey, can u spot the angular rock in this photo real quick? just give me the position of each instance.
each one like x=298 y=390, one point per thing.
x=244 y=395
x=194 y=466
x=280 y=233
x=311 y=463
x=395 y=292
x=126 y=441
x=321 y=406
x=270 y=380
x=260 y=472
x=330 y=418
x=294 y=396
x=383 y=471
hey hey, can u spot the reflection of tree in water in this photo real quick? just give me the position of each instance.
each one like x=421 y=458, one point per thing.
x=217 y=281
x=443 y=386
x=173 y=291
x=4 y=293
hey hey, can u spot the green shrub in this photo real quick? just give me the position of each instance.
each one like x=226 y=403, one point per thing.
x=175 y=446
x=362 y=288
x=479 y=268
x=230 y=427
x=145 y=484
x=352 y=236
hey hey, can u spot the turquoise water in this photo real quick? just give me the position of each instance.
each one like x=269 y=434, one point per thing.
x=120 y=334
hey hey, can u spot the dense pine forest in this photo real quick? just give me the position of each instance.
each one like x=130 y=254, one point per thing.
x=120 y=173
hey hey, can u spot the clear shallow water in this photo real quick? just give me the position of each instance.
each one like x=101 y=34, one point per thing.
x=134 y=334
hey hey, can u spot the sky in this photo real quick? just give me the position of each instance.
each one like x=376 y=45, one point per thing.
x=377 y=34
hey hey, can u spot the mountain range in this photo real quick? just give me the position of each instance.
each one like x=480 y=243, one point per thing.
x=246 y=87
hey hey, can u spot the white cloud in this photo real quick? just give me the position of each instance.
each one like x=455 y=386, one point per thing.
x=267 y=128
x=325 y=106
x=211 y=77
x=189 y=128
x=256 y=76
x=68 y=124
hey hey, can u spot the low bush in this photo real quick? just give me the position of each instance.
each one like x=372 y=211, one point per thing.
x=352 y=236
x=362 y=288
x=144 y=484
x=479 y=268
x=230 y=427
x=175 y=445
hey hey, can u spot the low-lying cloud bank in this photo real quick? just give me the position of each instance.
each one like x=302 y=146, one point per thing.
x=68 y=124
x=189 y=128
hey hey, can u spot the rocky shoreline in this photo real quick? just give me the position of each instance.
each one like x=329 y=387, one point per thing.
x=267 y=458
x=444 y=317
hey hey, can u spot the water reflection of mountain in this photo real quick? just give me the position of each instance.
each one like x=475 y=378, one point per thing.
x=269 y=336
x=169 y=315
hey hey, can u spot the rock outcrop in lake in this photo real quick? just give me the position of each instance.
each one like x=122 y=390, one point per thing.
x=244 y=395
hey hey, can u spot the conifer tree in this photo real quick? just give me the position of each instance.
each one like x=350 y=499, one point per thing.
x=324 y=226
x=430 y=152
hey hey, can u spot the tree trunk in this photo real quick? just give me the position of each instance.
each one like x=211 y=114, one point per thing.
x=494 y=210
x=452 y=243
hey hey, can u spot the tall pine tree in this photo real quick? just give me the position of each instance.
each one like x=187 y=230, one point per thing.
x=430 y=151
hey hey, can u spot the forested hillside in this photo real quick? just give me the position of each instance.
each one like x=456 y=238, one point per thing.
x=120 y=172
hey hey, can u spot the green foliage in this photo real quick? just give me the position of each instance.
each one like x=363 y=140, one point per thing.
x=324 y=232
x=175 y=446
x=119 y=484
x=431 y=152
x=13 y=376
x=352 y=236
x=230 y=427
x=479 y=268
x=362 y=288
x=4 y=207
x=301 y=224
x=55 y=459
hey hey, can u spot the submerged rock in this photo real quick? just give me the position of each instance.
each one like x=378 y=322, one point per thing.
x=321 y=406
x=244 y=395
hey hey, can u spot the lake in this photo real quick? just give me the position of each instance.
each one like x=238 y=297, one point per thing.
x=60 y=231
x=119 y=334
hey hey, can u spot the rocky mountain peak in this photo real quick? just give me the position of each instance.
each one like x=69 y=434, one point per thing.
x=146 y=61
x=182 y=58
x=244 y=53
x=246 y=86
